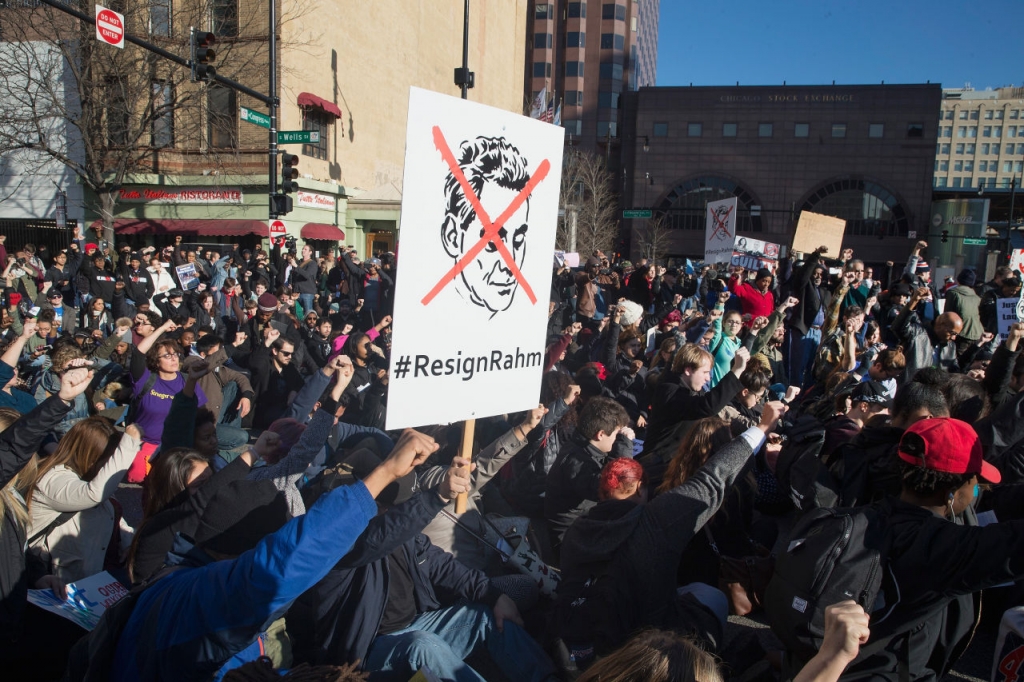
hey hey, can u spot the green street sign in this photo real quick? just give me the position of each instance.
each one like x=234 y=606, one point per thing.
x=255 y=117
x=636 y=213
x=971 y=241
x=298 y=136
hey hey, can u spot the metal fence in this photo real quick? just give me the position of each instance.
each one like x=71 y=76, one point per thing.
x=38 y=232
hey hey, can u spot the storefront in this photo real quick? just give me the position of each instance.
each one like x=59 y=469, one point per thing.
x=207 y=211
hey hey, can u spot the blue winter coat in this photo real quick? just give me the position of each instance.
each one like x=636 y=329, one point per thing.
x=195 y=624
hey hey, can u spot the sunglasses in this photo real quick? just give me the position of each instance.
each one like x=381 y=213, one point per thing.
x=286 y=353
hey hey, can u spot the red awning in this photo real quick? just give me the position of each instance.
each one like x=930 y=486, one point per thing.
x=211 y=228
x=307 y=99
x=322 y=231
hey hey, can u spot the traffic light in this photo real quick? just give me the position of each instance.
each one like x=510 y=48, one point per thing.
x=289 y=173
x=201 y=55
x=945 y=236
x=282 y=205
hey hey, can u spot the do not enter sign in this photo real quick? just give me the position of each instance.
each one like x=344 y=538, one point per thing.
x=109 y=27
x=277 y=227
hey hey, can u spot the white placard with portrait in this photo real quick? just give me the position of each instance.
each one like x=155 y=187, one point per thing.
x=479 y=211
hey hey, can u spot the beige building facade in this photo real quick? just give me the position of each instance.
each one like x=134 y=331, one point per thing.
x=981 y=138
x=346 y=71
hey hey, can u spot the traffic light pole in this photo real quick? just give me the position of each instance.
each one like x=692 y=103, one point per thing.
x=272 y=107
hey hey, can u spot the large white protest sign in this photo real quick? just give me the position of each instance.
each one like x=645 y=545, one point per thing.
x=1009 y=310
x=87 y=599
x=479 y=210
x=1017 y=262
x=753 y=254
x=720 y=230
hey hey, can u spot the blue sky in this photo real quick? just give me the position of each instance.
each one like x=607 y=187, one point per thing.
x=766 y=42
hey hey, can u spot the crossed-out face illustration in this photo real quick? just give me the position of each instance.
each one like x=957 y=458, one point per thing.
x=497 y=173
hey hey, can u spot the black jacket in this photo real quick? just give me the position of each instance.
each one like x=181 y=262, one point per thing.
x=337 y=620
x=18 y=573
x=571 y=487
x=867 y=468
x=934 y=566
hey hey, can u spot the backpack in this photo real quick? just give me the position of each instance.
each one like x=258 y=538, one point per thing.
x=833 y=555
x=801 y=474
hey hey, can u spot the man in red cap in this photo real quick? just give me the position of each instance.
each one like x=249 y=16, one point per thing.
x=935 y=556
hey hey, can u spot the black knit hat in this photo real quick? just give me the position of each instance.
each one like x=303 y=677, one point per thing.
x=240 y=515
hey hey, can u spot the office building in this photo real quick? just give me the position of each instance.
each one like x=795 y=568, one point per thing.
x=981 y=138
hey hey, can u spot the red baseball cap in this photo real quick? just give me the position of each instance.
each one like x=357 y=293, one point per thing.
x=90 y=247
x=947 y=445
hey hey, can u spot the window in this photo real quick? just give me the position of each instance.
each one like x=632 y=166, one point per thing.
x=940 y=182
x=1011 y=131
x=999 y=115
x=970 y=148
x=694 y=129
x=764 y=129
x=947 y=131
x=915 y=130
x=117 y=114
x=613 y=71
x=607 y=129
x=972 y=131
x=995 y=149
x=956 y=182
x=608 y=100
x=1014 y=113
x=984 y=148
x=574 y=98
x=997 y=131
x=949 y=115
x=573 y=127
x=318 y=121
x=612 y=41
x=222 y=117
x=577 y=10
x=1007 y=165
x=986 y=131
x=545 y=11
x=575 y=39
x=945 y=147
x=729 y=129
x=162 y=131
x=632 y=24
x=988 y=115
x=574 y=69
x=160 y=18
x=224 y=16
x=974 y=115
x=660 y=130
x=982 y=166
x=876 y=130
x=967 y=181
x=944 y=165
x=613 y=11
x=542 y=41
x=958 y=166
x=961 y=131
x=802 y=130
x=838 y=130
x=542 y=69
x=968 y=166
x=963 y=115
x=960 y=148
x=1018 y=166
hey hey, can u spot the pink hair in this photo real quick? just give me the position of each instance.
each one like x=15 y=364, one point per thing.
x=616 y=474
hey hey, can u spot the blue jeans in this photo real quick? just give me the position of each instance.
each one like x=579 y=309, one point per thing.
x=306 y=301
x=441 y=640
x=802 y=349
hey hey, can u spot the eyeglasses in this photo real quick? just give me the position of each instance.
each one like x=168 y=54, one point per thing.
x=168 y=356
x=143 y=323
x=734 y=322
x=286 y=353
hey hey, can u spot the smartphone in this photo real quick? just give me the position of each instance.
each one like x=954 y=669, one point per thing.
x=279 y=326
x=47 y=348
x=33 y=311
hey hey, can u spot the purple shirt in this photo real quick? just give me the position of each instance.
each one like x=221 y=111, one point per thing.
x=155 y=406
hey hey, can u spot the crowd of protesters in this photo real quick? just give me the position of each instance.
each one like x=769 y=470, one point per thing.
x=282 y=528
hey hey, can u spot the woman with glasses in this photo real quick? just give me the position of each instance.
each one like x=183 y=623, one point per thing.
x=726 y=340
x=156 y=372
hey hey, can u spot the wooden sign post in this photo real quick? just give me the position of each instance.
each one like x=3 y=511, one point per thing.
x=466 y=452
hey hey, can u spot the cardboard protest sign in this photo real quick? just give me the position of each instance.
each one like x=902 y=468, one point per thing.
x=479 y=211
x=187 y=276
x=86 y=601
x=1008 y=311
x=814 y=230
x=754 y=253
x=720 y=230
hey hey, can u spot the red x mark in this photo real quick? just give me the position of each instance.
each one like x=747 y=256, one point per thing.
x=490 y=229
x=721 y=224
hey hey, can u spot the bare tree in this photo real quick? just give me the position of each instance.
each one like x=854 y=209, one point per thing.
x=105 y=113
x=587 y=198
x=654 y=239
